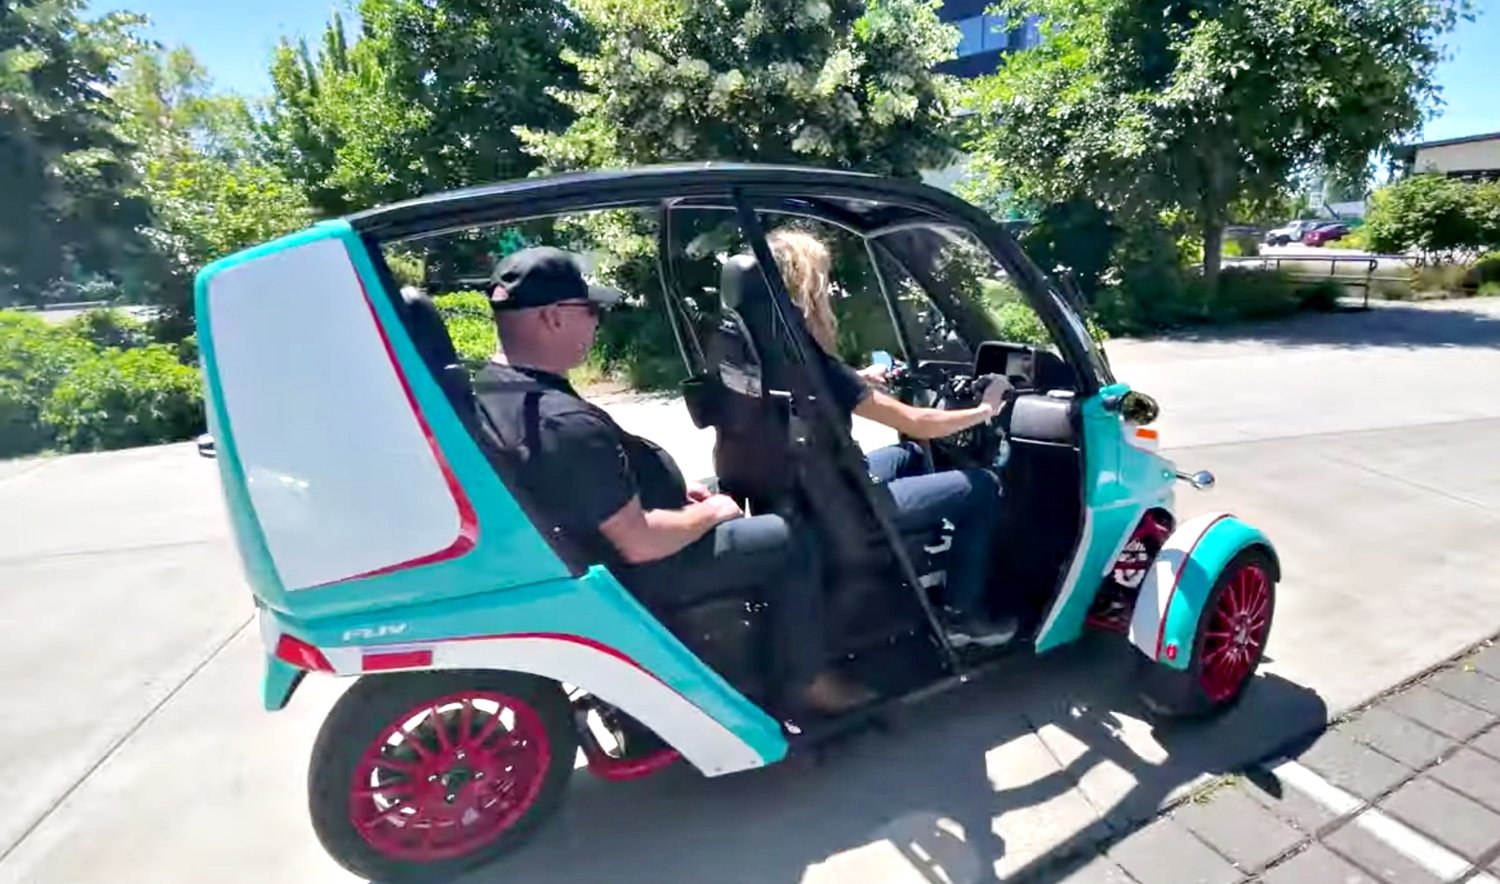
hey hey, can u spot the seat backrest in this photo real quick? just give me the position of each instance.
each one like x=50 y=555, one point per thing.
x=769 y=449
x=430 y=336
x=752 y=452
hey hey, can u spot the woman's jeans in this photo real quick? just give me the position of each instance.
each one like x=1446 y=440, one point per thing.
x=969 y=499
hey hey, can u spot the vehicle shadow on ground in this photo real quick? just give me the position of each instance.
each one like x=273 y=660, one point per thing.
x=1387 y=324
x=932 y=791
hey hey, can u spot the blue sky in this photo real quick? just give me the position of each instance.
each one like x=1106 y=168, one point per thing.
x=234 y=39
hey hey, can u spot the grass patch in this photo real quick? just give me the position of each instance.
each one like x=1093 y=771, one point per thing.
x=1442 y=280
x=1391 y=290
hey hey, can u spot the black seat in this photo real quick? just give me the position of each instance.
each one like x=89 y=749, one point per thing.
x=774 y=452
x=754 y=445
x=430 y=336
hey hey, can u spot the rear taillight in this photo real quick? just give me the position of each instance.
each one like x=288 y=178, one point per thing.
x=300 y=654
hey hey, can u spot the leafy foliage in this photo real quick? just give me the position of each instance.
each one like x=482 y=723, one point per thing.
x=840 y=83
x=1153 y=106
x=836 y=83
x=426 y=98
x=1322 y=296
x=109 y=328
x=34 y=357
x=65 y=170
x=200 y=170
x=1167 y=297
x=1484 y=271
x=470 y=324
x=126 y=398
x=93 y=382
x=1440 y=217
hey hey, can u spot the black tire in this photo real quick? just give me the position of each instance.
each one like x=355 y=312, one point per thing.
x=373 y=704
x=1180 y=693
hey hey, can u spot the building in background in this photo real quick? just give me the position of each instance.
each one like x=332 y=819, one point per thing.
x=984 y=37
x=1475 y=157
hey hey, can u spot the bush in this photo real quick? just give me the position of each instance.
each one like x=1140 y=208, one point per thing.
x=1485 y=270
x=110 y=328
x=1019 y=324
x=1489 y=289
x=1252 y=294
x=34 y=357
x=471 y=324
x=1155 y=298
x=1356 y=238
x=187 y=351
x=1241 y=246
x=407 y=269
x=1438 y=216
x=124 y=398
x=1392 y=290
x=1322 y=295
x=1438 y=279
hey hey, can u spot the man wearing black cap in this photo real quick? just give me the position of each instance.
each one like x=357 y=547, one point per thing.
x=621 y=500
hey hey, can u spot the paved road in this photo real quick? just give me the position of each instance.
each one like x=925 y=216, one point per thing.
x=1363 y=443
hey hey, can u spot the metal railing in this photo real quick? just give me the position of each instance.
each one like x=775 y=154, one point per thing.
x=1364 y=267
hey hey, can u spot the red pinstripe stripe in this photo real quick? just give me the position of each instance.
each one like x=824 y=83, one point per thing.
x=1161 y=626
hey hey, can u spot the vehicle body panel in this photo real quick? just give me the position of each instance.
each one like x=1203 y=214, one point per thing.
x=587 y=631
x=1176 y=588
x=1123 y=479
x=290 y=513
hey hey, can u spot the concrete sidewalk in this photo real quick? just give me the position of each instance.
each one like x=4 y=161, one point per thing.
x=1406 y=790
x=1365 y=451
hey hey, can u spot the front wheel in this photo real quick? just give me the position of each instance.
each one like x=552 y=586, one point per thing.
x=1231 y=640
x=423 y=775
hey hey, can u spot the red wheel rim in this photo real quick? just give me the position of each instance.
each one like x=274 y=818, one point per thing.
x=449 y=776
x=1236 y=634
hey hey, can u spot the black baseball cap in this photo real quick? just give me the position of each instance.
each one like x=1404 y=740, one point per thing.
x=543 y=275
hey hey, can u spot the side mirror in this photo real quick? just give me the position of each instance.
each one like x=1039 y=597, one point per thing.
x=1136 y=407
x=1139 y=409
x=882 y=359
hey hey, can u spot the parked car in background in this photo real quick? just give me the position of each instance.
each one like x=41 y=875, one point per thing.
x=1289 y=233
x=1324 y=234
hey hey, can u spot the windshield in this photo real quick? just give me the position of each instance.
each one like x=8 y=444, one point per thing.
x=1097 y=360
x=978 y=297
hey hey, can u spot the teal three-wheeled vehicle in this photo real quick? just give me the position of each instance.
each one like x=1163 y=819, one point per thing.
x=385 y=541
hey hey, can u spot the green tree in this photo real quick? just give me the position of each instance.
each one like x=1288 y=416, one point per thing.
x=65 y=172
x=1441 y=218
x=198 y=160
x=841 y=83
x=1150 y=106
x=836 y=83
x=427 y=97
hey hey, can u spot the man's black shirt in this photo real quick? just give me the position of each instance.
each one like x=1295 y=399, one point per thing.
x=576 y=466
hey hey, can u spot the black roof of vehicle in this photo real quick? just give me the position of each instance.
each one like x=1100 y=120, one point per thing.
x=857 y=200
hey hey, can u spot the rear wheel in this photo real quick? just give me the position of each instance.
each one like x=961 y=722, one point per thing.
x=420 y=776
x=1231 y=640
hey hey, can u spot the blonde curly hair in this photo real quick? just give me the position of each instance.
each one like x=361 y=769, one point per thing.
x=805 y=265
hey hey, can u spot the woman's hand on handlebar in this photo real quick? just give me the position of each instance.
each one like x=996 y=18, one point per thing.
x=994 y=392
x=875 y=374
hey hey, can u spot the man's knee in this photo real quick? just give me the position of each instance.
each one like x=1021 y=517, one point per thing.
x=754 y=536
x=983 y=486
